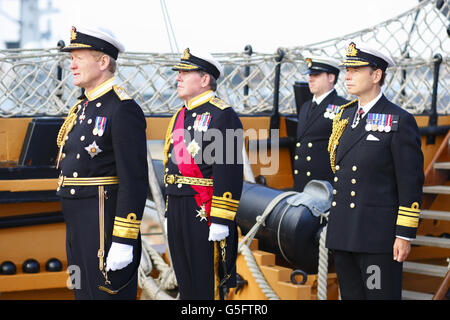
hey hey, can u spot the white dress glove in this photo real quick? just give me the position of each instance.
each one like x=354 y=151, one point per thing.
x=218 y=232
x=119 y=256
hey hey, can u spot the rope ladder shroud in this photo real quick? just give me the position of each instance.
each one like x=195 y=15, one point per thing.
x=38 y=82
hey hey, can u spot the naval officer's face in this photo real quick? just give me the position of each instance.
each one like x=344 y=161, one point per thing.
x=191 y=84
x=86 y=69
x=320 y=83
x=359 y=80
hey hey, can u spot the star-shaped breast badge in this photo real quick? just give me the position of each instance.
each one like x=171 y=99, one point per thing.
x=93 y=149
x=193 y=148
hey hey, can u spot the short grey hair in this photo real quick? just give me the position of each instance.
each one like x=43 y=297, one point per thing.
x=112 y=62
x=212 y=80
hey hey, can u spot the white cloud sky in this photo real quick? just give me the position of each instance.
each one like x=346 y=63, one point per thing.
x=213 y=25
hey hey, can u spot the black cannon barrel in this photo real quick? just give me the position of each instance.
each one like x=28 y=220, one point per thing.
x=290 y=232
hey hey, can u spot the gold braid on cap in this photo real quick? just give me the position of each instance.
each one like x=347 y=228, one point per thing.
x=67 y=125
x=338 y=128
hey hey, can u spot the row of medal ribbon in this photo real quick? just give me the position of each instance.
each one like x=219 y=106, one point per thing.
x=379 y=122
x=374 y=121
x=100 y=125
x=331 y=112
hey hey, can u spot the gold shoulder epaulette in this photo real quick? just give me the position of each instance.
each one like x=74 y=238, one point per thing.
x=219 y=103
x=121 y=93
x=347 y=104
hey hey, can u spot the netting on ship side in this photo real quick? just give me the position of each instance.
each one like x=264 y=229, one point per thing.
x=416 y=40
x=38 y=82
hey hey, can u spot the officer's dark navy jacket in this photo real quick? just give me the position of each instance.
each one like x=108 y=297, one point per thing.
x=311 y=160
x=120 y=151
x=377 y=184
x=207 y=124
x=224 y=165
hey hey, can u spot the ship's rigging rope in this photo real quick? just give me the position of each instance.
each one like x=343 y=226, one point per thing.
x=256 y=273
x=244 y=248
x=156 y=289
x=322 y=274
x=169 y=28
x=38 y=82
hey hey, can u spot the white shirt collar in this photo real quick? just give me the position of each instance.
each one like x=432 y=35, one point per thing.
x=319 y=100
x=200 y=99
x=370 y=104
x=101 y=89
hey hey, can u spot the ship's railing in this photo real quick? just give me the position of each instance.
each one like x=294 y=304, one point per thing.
x=39 y=82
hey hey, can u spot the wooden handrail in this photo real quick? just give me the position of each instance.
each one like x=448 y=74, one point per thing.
x=28 y=185
x=444 y=146
x=442 y=292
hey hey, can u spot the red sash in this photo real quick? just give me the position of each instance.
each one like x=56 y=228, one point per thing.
x=188 y=167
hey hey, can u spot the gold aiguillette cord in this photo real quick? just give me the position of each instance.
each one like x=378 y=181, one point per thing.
x=101 y=223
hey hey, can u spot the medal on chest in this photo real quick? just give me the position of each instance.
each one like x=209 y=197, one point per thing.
x=193 y=148
x=381 y=122
x=83 y=115
x=202 y=122
x=331 y=112
x=93 y=149
x=100 y=125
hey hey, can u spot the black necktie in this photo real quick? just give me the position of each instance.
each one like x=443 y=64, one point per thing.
x=312 y=108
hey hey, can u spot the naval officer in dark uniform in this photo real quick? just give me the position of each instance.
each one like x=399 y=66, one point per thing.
x=311 y=159
x=203 y=180
x=103 y=181
x=375 y=152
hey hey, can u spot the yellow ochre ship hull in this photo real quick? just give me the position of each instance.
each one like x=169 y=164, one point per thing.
x=43 y=241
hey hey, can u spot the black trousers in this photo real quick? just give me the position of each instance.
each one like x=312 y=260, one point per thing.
x=82 y=244
x=367 y=276
x=195 y=259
